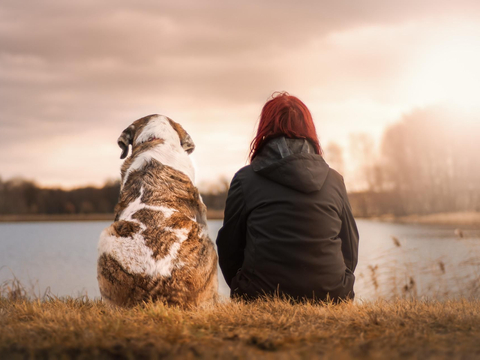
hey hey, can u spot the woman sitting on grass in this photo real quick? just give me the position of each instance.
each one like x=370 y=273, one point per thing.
x=288 y=226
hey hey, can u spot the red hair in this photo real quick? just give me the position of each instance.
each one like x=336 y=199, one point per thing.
x=284 y=115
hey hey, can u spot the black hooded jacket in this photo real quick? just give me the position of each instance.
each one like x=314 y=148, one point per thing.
x=288 y=226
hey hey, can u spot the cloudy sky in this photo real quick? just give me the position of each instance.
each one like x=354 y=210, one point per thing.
x=73 y=75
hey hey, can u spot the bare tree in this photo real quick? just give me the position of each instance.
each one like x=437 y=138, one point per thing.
x=364 y=154
x=431 y=161
x=334 y=157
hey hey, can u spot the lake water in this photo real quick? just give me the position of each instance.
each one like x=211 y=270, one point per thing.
x=427 y=261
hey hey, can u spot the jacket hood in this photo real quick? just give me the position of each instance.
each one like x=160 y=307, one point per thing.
x=292 y=163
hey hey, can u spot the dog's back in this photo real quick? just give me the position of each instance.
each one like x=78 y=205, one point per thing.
x=158 y=247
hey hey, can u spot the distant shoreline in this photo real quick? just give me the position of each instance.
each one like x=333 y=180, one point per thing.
x=452 y=218
x=211 y=215
x=471 y=219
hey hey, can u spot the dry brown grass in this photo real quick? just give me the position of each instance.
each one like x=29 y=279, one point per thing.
x=84 y=329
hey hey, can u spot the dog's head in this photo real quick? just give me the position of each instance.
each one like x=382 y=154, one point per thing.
x=154 y=127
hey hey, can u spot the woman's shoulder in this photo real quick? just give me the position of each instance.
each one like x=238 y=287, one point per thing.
x=243 y=172
x=336 y=183
x=335 y=175
x=246 y=177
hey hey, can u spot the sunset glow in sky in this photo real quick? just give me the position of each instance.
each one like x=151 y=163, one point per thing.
x=73 y=75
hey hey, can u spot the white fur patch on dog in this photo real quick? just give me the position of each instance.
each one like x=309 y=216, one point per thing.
x=169 y=153
x=158 y=126
x=137 y=258
x=136 y=205
x=132 y=253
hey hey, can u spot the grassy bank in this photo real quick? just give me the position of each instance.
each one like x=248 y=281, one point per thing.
x=460 y=219
x=55 y=217
x=471 y=219
x=85 y=329
x=211 y=215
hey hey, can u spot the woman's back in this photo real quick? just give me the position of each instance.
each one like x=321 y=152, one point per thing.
x=288 y=226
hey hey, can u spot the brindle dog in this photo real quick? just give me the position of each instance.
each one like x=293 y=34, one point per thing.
x=158 y=247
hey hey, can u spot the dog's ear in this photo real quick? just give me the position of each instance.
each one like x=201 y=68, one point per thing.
x=126 y=139
x=185 y=140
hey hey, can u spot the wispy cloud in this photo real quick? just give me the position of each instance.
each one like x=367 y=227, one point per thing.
x=73 y=75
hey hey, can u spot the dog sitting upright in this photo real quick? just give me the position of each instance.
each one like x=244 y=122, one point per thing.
x=158 y=247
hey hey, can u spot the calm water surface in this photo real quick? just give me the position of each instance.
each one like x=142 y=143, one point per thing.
x=430 y=261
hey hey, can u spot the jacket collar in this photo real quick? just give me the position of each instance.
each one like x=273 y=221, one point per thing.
x=279 y=148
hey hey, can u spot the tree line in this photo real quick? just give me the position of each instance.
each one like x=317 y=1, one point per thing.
x=19 y=196
x=427 y=162
x=25 y=197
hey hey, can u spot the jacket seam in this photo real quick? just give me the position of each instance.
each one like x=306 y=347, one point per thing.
x=244 y=213
x=350 y=240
